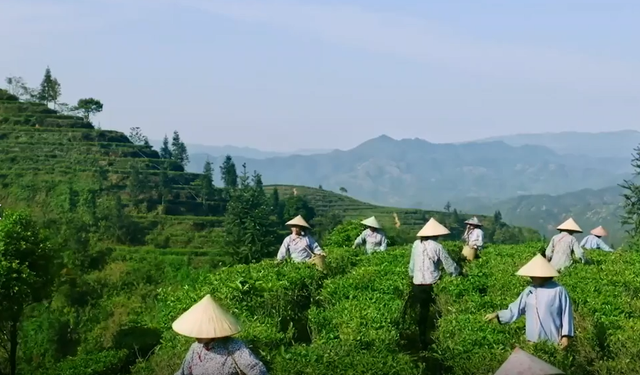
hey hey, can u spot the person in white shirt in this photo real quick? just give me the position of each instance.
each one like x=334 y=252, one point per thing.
x=473 y=235
x=563 y=245
x=299 y=246
x=372 y=238
x=427 y=256
x=594 y=240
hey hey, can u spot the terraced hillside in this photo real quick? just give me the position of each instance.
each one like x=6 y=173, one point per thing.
x=352 y=209
x=41 y=148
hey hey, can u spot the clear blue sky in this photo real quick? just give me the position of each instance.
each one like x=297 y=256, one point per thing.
x=290 y=74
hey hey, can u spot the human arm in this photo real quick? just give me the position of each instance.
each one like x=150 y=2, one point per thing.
x=577 y=250
x=447 y=262
x=515 y=310
x=567 y=330
x=549 y=252
x=411 y=259
x=383 y=242
x=603 y=246
x=313 y=245
x=247 y=361
x=359 y=240
x=185 y=368
x=282 y=253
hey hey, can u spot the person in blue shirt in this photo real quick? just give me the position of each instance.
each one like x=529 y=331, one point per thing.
x=545 y=305
x=594 y=241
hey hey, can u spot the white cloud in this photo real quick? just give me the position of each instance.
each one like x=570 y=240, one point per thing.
x=424 y=41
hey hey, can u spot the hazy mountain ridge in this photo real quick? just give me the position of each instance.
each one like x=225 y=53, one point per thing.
x=410 y=172
x=617 y=144
x=544 y=212
x=247 y=152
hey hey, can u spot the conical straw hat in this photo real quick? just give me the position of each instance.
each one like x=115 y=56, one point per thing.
x=599 y=231
x=298 y=220
x=432 y=228
x=206 y=320
x=570 y=224
x=371 y=222
x=521 y=362
x=538 y=267
x=473 y=221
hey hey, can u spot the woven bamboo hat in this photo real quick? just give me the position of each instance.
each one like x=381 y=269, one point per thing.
x=206 y=320
x=571 y=225
x=473 y=221
x=521 y=362
x=599 y=231
x=299 y=221
x=432 y=228
x=371 y=222
x=538 y=267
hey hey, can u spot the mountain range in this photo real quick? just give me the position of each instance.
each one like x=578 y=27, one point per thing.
x=617 y=144
x=247 y=152
x=533 y=179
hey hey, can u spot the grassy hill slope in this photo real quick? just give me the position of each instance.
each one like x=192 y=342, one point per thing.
x=45 y=153
x=353 y=209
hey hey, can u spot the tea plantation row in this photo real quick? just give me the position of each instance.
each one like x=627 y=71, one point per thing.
x=353 y=319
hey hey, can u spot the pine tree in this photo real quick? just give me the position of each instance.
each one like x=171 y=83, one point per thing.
x=206 y=182
x=50 y=89
x=135 y=184
x=179 y=150
x=165 y=150
x=250 y=233
x=228 y=173
x=630 y=217
x=295 y=205
x=276 y=205
x=164 y=188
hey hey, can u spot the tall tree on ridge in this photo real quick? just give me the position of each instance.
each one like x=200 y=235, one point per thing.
x=179 y=149
x=228 y=173
x=50 y=89
x=165 y=150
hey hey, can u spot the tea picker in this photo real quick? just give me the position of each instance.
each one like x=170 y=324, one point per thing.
x=299 y=246
x=545 y=305
x=372 y=238
x=473 y=237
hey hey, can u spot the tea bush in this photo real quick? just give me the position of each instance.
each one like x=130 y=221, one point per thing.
x=353 y=318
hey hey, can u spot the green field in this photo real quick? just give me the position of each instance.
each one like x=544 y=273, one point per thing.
x=351 y=320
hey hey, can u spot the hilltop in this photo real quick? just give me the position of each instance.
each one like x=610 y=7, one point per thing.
x=418 y=173
x=49 y=158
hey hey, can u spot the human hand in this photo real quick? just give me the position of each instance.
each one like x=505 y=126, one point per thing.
x=492 y=316
x=564 y=342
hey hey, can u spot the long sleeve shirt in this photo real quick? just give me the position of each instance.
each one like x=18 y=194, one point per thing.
x=594 y=242
x=374 y=241
x=548 y=312
x=475 y=237
x=221 y=357
x=426 y=258
x=560 y=248
x=300 y=248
